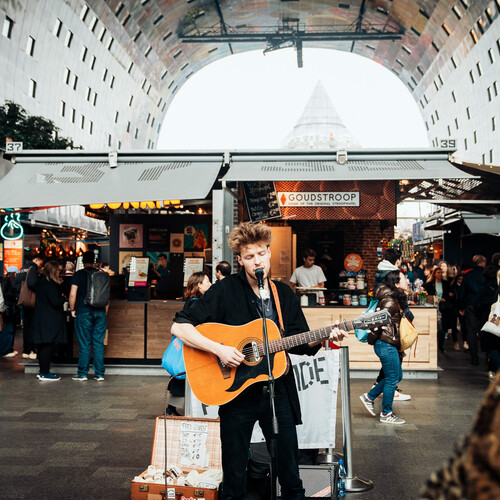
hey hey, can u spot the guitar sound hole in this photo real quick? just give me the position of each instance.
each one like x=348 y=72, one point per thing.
x=248 y=349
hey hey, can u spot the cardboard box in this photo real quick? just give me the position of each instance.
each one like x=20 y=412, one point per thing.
x=192 y=444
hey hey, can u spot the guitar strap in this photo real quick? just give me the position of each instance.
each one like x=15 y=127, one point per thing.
x=278 y=305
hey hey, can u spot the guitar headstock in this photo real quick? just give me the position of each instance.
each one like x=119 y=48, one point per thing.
x=372 y=320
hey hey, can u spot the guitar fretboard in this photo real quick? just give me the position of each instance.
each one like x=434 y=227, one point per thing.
x=287 y=343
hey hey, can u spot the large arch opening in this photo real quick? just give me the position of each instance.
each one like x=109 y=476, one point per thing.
x=252 y=101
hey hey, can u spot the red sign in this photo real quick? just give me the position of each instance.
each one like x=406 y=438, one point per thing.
x=12 y=254
x=353 y=262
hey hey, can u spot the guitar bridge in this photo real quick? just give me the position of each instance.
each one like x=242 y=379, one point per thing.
x=225 y=370
x=255 y=350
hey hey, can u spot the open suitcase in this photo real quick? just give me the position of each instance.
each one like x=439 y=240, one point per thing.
x=191 y=444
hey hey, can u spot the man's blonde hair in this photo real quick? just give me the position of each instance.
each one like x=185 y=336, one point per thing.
x=248 y=233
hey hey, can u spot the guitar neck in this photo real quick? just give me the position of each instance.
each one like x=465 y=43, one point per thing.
x=287 y=343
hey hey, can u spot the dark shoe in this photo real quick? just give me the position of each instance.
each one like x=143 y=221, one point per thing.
x=170 y=410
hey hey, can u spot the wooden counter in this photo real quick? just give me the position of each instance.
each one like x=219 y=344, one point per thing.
x=362 y=356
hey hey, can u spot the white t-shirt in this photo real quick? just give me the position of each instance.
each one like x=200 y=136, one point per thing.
x=308 y=276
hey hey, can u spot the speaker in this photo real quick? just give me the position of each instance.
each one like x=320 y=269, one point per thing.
x=320 y=481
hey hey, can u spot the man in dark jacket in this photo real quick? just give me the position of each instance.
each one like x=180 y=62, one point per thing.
x=30 y=273
x=235 y=301
x=473 y=281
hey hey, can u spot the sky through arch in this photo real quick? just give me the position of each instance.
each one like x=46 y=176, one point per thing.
x=252 y=101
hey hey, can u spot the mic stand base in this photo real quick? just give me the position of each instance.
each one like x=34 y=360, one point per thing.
x=329 y=457
x=356 y=484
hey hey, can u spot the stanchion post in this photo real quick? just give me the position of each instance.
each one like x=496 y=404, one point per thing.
x=352 y=483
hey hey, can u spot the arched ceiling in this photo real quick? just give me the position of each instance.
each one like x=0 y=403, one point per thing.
x=172 y=39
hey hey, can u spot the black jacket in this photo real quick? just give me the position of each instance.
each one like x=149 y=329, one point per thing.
x=49 y=323
x=473 y=281
x=10 y=298
x=232 y=301
x=430 y=287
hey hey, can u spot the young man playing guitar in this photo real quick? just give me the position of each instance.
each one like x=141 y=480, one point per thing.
x=236 y=301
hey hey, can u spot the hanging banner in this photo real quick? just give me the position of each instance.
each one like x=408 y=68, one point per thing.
x=12 y=254
x=316 y=378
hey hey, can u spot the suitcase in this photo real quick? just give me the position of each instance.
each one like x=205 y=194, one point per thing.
x=192 y=444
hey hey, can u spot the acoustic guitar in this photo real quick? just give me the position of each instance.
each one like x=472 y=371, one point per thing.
x=213 y=383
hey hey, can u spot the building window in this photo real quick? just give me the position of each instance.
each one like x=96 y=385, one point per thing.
x=30 y=46
x=84 y=12
x=91 y=127
x=119 y=144
x=484 y=158
x=92 y=63
x=109 y=140
x=144 y=83
x=136 y=133
x=82 y=124
x=489 y=94
x=57 y=28
x=164 y=74
x=475 y=136
x=446 y=29
x=149 y=90
x=128 y=127
x=479 y=70
x=83 y=54
x=495 y=88
x=433 y=121
x=473 y=35
x=146 y=54
x=491 y=155
x=75 y=82
x=110 y=43
x=112 y=82
x=67 y=75
x=465 y=144
x=73 y=115
x=93 y=24
x=491 y=56
x=32 y=88
x=457 y=12
x=427 y=126
x=454 y=61
x=167 y=36
x=95 y=99
x=137 y=35
x=449 y=131
x=456 y=123
x=152 y=122
x=159 y=102
x=116 y=116
x=63 y=108
x=102 y=34
x=119 y=9
x=489 y=13
x=493 y=123
x=158 y=19
x=130 y=67
x=69 y=39
x=453 y=96
x=89 y=93
x=436 y=85
x=471 y=74
x=105 y=74
x=126 y=20
x=131 y=100
x=480 y=25
x=468 y=112
x=163 y=107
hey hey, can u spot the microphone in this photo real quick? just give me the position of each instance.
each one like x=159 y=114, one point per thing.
x=259 y=276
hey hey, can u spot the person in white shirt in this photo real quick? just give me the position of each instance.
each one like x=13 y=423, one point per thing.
x=309 y=275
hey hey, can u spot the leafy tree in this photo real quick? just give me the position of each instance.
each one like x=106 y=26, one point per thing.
x=35 y=132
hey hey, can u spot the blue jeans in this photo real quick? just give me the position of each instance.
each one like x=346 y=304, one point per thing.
x=90 y=327
x=391 y=364
x=6 y=337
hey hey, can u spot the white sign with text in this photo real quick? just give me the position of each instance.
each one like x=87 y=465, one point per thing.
x=318 y=199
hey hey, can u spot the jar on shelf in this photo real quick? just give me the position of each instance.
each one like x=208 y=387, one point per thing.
x=363 y=300
x=351 y=284
x=360 y=282
x=347 y=299
x=355 y=300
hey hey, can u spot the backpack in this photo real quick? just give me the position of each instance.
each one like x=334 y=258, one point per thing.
x=97 y=288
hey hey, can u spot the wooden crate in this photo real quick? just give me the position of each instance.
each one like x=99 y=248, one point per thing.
x=189 y=448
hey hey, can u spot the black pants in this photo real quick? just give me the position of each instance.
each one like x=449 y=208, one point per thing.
x=472 y=330
x=45 y=352
x=28 y=344
x=237 y=420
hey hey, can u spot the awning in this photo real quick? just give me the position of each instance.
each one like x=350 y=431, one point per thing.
x=47 y=178
x=365 y=165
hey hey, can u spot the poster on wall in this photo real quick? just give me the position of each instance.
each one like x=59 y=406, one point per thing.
x=138 y=272
x=12 y=254
x=124 y=259
x=131 y=236
x=177 y=243
x=195 y=237
x=192 y=265
x=160 y=265
x=158 y=237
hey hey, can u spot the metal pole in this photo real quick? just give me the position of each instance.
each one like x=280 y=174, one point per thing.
x=352 y=483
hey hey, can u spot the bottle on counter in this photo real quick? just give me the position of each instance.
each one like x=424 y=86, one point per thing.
x=341 y=489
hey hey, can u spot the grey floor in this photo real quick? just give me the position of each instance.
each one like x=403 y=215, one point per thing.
x=70 y=439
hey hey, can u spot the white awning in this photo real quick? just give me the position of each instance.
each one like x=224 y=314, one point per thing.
x=367 y=165
x=45 y=178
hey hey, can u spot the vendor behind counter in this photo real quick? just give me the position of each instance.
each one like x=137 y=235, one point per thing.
x=309 y=275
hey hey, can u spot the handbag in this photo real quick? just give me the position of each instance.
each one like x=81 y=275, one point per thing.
x=26 y=296
x=493 y=323
x=173 y=360
x=407 y=333
x=362 y=335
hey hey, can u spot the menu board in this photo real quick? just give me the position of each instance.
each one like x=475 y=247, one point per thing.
x=192 y=265
x=12 y=254
x=138 y=271
x=262 y=200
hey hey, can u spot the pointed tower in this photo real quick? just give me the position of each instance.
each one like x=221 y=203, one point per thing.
x=320 y=126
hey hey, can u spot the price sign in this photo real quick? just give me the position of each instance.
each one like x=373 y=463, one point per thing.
x=13 y=147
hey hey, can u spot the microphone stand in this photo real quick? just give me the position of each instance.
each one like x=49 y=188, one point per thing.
x=272 y=396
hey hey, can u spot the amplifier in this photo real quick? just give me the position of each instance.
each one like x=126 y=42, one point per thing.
x=320 y=481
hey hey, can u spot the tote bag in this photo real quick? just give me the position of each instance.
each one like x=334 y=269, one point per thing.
x=172 y=359
x=493 y=323
x=407 y=334
x=362 y=335
x=26 y=296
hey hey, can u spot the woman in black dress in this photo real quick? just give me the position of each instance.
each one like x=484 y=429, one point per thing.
x=49 y=326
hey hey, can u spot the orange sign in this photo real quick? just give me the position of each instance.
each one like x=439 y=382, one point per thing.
x=12 y=254
x=353 y=262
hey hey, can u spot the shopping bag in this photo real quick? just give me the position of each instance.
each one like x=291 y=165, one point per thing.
x=493 y=323
x=362 y=335
x=173 y=360
x=26 y=296
x=407 y=334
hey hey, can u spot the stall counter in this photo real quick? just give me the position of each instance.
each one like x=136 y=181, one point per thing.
x=362 y=356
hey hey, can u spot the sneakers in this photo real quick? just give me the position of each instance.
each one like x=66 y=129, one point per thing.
x=390 y=418
x=368 y=404
x=48 y=377
x=100 y=379
x=32 y=355
x=401 y=396
x=12 y=354
x=26 y=355
x=81 y=378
